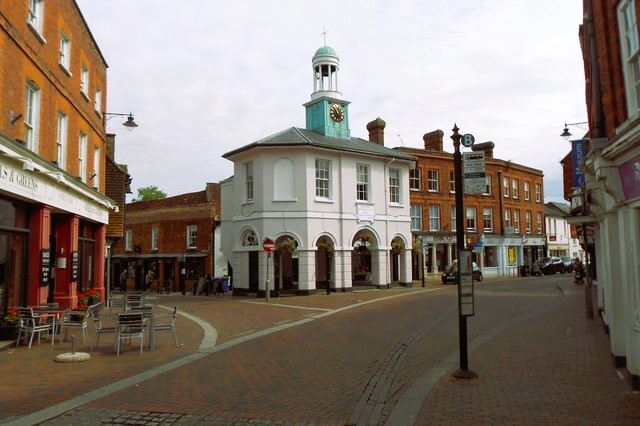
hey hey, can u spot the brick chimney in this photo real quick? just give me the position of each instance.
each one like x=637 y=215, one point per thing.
x=376 y=131
x=111 y=145
x=487 y=147
x=433 y=140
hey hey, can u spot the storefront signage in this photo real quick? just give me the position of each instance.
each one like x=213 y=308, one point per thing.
x=45 y=265
x=630 y=178
x=438 y=238
x=75 y=266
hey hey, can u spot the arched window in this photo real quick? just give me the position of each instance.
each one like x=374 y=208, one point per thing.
x=249 y=238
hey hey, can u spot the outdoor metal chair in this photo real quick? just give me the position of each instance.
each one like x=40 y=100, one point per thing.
x=75 y=319
x=99 y=325
x=132 y=300
x=116 y=302
x=30 y=324
x=130 y=325
x=168 y=326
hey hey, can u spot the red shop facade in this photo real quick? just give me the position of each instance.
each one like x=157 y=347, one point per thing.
x=52 y=232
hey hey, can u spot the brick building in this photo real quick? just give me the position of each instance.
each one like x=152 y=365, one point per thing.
x=605 y=169
x=53 y=207
x=172 y=239
x=505 y=225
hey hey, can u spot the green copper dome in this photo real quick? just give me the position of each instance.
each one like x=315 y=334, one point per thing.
x=325 y=50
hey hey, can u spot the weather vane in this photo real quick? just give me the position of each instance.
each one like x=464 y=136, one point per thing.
x=324 y=34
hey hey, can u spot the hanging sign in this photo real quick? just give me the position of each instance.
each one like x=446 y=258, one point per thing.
x=45 y=266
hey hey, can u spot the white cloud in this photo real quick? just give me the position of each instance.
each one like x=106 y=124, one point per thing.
x=204 y=78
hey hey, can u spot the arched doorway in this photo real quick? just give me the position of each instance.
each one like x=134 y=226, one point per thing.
x=397 y=252
x=285 y=265
x=324 y=264
x=361 y=259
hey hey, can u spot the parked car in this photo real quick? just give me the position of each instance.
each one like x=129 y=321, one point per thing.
x=449 y=274
x=568 y=264
x=548 y=266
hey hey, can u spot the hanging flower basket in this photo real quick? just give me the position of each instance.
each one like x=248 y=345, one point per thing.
x=397 y=246
x=287 y=245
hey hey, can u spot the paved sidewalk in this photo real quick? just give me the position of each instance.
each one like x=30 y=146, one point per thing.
x=553 y=368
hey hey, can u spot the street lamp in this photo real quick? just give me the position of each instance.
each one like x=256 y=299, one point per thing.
x=565 y=133
x=129 y=124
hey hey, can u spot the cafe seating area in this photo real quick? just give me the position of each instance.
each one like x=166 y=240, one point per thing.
x=122 y=320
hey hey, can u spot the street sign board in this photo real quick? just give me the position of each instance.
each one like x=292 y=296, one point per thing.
x=465 y=289
x=474 y=172
x=467 y=140
x=268 y=245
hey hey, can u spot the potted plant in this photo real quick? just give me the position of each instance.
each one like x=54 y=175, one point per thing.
x=10 y=325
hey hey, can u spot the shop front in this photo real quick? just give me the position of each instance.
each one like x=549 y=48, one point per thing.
x=52 y=232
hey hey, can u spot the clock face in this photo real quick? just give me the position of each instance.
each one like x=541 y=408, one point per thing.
x=336 y=113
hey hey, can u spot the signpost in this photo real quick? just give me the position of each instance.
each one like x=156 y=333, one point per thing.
x=268 y=246
x=463 y=372
x=474 y=172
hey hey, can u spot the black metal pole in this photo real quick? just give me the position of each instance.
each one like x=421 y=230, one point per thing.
x=463 y=372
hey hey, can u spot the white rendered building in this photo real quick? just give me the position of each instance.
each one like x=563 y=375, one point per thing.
x=336 y=207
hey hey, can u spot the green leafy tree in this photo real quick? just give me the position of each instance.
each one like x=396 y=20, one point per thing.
x=149 y=193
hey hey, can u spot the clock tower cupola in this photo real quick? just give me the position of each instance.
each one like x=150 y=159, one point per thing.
x=327 y=112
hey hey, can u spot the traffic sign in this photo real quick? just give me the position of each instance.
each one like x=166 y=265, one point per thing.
x=474 y=172
x=467 y=140
x=268 y=245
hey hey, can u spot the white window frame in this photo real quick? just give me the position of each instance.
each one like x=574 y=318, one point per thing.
x=414 y=179
x=452 y=182
x=514 y=188
x=32 y=116
x=416 y=216
x=96 y=168
x=128 y=240
x=433 y=184
x=516 y=221
x=35 y=17
x=82 y=156
x=471 y=218
x=505 y=187
x=155 y=236
x=97 y=102
x=539 y=222
x=323 y=178
x=487 y=219
x=362 y=182
x=527 y=218
x=61 y=140
x=454 y=221
x=538 y=193
x=630 y=52
x=395 y=188
x=527 y=191
x=65 y=52
x=248 y=181
x=487 y=184
x=507 y=218
x=434 y=217
x=192 y=237
x=84 y=81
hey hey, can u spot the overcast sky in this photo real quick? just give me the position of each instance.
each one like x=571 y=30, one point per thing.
x=206 y=77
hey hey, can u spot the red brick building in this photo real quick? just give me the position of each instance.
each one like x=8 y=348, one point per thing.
x=53 y=208
x=504 y=225
x=173 y=240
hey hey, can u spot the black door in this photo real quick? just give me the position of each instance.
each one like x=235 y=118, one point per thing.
x=253 y=271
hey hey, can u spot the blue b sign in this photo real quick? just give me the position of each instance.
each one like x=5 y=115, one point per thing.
x=578 y=156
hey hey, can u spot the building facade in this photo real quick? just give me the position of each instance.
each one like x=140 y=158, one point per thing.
x=605 y=170
x=562 y=239
x=169 y=244
x=52 y=155
x=336 y=206
x=504 y=225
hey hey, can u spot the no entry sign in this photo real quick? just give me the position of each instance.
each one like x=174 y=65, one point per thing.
x=268 y=245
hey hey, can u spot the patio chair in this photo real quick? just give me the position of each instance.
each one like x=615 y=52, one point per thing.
x=130 y=325
x=116 y=302
x=132 y=300
x=30 y=324
x=77 y=320
x=99 y=326
x=168 y=326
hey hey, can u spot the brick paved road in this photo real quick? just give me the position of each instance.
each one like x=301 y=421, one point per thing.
x=538 y=359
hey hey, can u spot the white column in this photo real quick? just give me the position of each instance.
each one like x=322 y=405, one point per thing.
x=307 y=270
x=405 y=268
